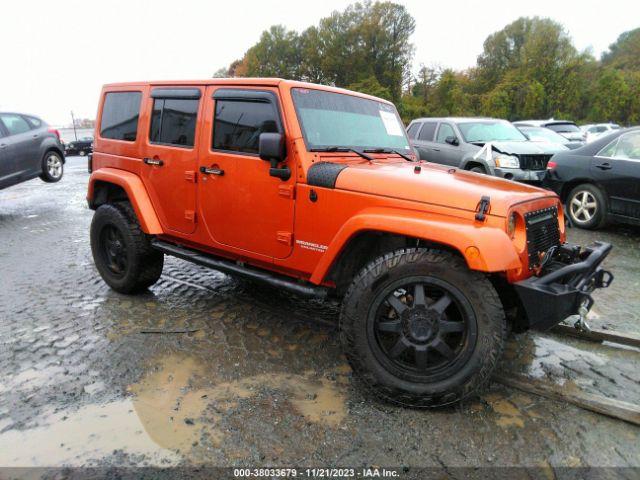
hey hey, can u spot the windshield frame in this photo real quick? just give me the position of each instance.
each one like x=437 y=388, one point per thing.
x=486 y=122
x=311 y=147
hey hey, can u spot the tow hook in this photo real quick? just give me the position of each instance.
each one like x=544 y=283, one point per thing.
x=581 y=324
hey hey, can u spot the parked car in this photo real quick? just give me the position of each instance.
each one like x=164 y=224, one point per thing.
x=600 y=181
x=566 y=128
x=81 y=147
x=315 y=190
x=29 y=148
x=544 y=134
x=464 y=143
x=593 y=131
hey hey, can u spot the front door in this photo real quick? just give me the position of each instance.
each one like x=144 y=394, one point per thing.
x=617 y=168
x=448 y=154
x=242 y=206
x=169 y=170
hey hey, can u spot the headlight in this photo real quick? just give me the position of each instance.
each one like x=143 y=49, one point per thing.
x=507 y=161
x=511 y=225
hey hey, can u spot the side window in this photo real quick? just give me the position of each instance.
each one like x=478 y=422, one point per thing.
x=609 y=150
x=14 y=124
x=173 y=121
x=426 y=134
x=628 y=146
x=120 y=114
x=239 y=123
x=444 y=131
x=34 y=122
x=412 y=130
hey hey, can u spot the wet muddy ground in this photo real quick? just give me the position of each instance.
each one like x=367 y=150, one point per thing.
x=208 y=370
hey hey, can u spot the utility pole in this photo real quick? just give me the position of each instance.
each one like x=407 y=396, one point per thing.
x=73 y=121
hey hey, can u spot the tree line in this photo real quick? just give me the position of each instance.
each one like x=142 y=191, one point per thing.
x=529 y=69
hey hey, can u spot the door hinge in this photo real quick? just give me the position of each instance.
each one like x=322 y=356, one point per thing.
x=284 y=237
x=287 y=191
x=190 y=215
x=190 y=176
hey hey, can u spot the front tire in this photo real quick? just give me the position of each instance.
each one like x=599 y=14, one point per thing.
x=420 y=329
x=121 y=251
x=52 y=167
x=587 y=207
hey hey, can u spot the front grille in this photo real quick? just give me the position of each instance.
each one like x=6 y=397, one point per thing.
x=534 y=162
x=543 y=232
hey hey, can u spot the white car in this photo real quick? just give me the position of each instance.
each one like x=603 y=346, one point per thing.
x=596 y=130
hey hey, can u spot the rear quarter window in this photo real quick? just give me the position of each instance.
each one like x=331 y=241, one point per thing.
x=120 y=114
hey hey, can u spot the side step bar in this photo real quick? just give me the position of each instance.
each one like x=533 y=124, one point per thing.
x=226 y=266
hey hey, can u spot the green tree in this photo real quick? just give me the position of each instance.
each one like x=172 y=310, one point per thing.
x=624 y=53
x=611 y=97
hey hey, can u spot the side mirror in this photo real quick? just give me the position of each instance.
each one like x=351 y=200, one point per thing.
x=271 y=147
x=451 y=140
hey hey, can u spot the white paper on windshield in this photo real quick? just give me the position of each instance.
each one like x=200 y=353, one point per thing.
x=391 y=124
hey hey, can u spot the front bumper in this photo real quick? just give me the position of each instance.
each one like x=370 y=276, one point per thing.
x=565 y=285
x=519 y=175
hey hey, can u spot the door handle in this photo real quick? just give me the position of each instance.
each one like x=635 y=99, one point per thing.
x=435 y=149
x=211 y=171
x=153 y=161
x=604 y=166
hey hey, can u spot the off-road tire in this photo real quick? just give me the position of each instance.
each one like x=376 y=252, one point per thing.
x=143 y=263
x=384 y=272
x=48 y=175
x=599 y=218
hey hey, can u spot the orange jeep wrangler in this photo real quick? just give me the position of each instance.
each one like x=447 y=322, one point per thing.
x=317 y=190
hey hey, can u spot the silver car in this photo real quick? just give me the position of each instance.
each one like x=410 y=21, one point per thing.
x=29 y=148
x=484 y=145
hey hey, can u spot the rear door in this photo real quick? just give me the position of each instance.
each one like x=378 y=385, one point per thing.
x=6 y=163
x=23 y=144
x=617 y=168
x=242 y=206
x=171 y=160
x=424 y=141
x=447 y=154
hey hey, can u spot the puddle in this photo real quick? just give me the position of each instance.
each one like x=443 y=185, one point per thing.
x=508 y=414
x=179 y=408
x=76 y=438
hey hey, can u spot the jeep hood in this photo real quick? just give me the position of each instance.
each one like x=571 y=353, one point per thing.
x=437 y=185
x=524 y=147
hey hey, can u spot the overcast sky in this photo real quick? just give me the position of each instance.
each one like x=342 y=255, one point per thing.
x=55 y=55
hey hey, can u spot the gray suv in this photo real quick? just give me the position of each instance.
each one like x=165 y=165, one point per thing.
x=29 y=148
x=484 y=145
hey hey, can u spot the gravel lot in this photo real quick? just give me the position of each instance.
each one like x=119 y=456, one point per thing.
x=245 y=375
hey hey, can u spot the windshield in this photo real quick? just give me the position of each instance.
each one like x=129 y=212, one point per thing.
x=540 y=134
x=563 y=127
x=339 y=120
x=490 y=132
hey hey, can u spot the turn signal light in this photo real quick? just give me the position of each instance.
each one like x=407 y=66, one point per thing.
x=551 y=165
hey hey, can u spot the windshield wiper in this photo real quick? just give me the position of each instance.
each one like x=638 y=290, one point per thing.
x=388 y=150
x=343 y=149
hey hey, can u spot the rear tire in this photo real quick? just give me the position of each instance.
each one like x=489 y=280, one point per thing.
x=121 y=251
x=52 y=167
x=420 y=329
x=587 y=207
